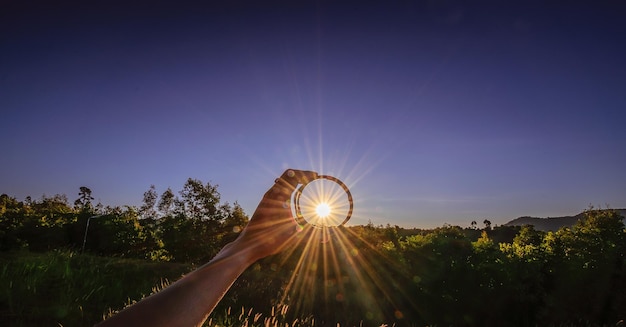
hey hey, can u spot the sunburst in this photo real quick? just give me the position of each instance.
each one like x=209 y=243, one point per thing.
x=323 y=210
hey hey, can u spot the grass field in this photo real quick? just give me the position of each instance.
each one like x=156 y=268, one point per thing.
x=62 y=287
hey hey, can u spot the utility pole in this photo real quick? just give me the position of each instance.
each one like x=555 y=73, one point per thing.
x=86 y=229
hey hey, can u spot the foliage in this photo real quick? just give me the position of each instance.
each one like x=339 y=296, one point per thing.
x=361 y=275
x=188 y=229
x=83 y=202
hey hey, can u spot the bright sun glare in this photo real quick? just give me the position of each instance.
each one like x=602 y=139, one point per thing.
x=331 y=256
x=322 y=210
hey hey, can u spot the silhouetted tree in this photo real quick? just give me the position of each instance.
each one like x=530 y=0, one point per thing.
x=147 y=209
x=166 y=202
x=83 y=202
x=199 y=200
x=487 y=223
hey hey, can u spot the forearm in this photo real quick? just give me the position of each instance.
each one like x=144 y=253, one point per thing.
x=190 y=300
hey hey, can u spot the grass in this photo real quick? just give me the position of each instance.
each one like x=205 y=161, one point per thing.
x=67 y=289
x=249 y=318
x=62 y=288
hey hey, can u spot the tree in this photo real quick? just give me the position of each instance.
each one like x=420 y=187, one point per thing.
x=603 y=239
x=484 y=243
x=55 y=209
x=199 y=201
x=528 y=236
x=440 y=263
x=189 y=240
x=149 y=201
x=83 y=202
x=487 y=223
x=166 y=202
x=195 y=226
x=45 y=226
x=591 y=253
x=235 y=220
x=118 y=234
x=11 y=220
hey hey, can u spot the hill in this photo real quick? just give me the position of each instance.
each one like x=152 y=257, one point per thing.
x=552 y=223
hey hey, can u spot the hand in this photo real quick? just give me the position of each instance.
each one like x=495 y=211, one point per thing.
x=272 y=225
x=190 y=300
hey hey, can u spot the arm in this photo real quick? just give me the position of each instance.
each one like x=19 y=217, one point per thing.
x=190 y=300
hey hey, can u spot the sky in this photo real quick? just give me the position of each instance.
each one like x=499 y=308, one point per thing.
x=432 y=112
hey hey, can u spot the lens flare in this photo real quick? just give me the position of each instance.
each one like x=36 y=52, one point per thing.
x=323 y=210
x=323 y=202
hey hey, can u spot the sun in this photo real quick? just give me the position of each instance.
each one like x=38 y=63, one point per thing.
x=322 y=210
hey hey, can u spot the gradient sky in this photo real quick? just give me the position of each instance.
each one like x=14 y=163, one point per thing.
x=432 y=112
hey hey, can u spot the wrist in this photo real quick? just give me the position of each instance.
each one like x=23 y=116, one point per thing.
x=244 y=254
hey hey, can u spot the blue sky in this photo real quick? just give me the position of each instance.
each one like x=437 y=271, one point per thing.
x=432 y=112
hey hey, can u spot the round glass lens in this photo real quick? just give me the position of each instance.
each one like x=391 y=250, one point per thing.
x=324 y=203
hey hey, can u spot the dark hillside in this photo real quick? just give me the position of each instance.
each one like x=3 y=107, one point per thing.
x=552 y=223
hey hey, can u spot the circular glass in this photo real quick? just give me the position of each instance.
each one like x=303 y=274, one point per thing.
x=323 y=202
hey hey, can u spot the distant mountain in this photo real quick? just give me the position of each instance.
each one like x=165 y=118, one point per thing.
x=553 y=223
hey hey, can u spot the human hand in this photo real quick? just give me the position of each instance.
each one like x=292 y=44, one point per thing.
x=190 y=300
x=272 y=225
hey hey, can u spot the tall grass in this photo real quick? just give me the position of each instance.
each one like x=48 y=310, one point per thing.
x=63 y=288
x=249 y=318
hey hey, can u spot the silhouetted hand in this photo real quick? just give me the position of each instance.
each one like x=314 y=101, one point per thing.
x=272 y=225
x=190 y=300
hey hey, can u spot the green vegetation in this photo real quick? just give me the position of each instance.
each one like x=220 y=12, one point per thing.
x=365 y=275
x=60 y=287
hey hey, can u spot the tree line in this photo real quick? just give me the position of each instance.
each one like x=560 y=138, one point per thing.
x=190 y=226
x=504 y=276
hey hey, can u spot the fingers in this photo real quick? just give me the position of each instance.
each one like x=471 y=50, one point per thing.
x=272 y=225
x=287 y=183
x=294 y=177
